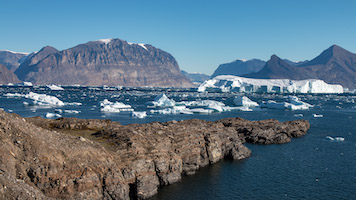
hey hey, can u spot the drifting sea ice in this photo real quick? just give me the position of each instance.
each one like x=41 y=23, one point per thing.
x=338 y=139
x=140 y=115
x=43 y=100
x=163 y=101
x=52 y=115
x=317 y=115
x=54 y=87
x=295 y=104
x=116 y=107
x=244 y=101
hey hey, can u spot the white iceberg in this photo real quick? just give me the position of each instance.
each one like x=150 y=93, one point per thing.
x=293 y=104
x=140 y=115
x=317 y=115
x=338 y=139
x=29 y=84
x=52 y=115
x=43 y=99
x=12 y=95
x=230 y=83
x=116 y=107
x=244 y=101
x=163 y=101
x=55 y=87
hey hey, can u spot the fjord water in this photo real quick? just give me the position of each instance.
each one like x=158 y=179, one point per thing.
x=311 y=167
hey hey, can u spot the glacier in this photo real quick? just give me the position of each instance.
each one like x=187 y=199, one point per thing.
x=230 y=83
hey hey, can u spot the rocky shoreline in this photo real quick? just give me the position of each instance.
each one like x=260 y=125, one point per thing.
x=71 y=158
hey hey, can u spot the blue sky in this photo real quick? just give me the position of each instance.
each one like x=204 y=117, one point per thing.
x=199 y=34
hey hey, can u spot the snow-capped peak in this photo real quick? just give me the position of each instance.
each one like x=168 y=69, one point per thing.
x=139 y=44
x=15 y=52
x=106 y=41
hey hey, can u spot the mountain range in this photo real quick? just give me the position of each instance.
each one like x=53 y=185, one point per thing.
x=117 y=62
x=103 y=62
x=335 y=65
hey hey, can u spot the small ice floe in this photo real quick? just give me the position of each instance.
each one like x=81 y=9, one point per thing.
x=318 y=115
x=28 y=84
x=73 y=104
x=55 y=87
x=116 y=107
x=43 y=100
x=244 y=101
x=293 y=104
x=140 y=115
x=173 y=110
x=337 y=139
x=10 y=111
x=13 y=95
x=298 y=115
x=52 y=115
x=163 y=101
x=72 y=111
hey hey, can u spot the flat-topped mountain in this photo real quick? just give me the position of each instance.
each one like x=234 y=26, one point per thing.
x=104 y=62
x=239 y=67
x=7 y=76
x=334 y=65
x=11 y=60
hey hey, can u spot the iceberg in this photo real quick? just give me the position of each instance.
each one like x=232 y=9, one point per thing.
x=163 y=101
x=43 y=100
x=317 y=115
x=52 y=115
x=54 y=87
x=116 y=107
x=338 y=139
x=294 y=104
x=140 y=115
x=244 y=101
x=230 y=83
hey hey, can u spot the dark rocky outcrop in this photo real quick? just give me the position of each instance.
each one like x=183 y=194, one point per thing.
x=12 y=60
x=72 y=158
x=7 y=76
x=335 y=65
x=239 y=67
x=105 y=62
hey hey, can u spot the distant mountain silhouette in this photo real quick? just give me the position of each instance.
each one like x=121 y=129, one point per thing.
x=11 y=60
x=334 y=65
x=196 y=77
x=239 y=67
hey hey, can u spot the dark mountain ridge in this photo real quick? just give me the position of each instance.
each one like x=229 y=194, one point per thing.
x=335 y=65
x=239 y=67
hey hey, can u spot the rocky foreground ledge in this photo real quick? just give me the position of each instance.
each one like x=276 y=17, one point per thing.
x=71 y=158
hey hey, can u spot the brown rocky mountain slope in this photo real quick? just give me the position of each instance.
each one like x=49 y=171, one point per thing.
x=73 y=158
x=106 y=62
x=7 y=76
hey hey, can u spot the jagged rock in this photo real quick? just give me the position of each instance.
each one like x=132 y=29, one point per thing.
x=113 y=161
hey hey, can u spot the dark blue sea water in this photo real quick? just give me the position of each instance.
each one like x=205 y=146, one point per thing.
x=311 y=167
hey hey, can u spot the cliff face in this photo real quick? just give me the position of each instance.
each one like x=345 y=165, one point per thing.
x=98 y=159
x=7 y=76
x=107 y=62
